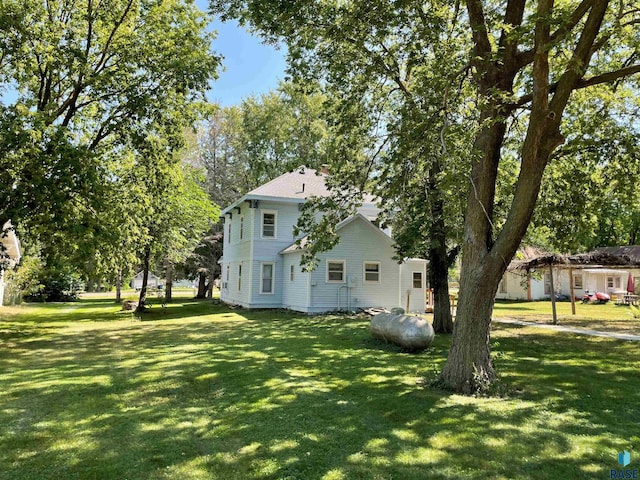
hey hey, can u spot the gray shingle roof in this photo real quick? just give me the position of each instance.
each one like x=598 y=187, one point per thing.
x=297 y=185
x=302 y=183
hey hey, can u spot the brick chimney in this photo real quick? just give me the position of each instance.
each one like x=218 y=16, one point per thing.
x=325 y=168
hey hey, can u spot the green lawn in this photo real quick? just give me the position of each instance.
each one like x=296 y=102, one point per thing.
x=201 y=391
x=611 y=317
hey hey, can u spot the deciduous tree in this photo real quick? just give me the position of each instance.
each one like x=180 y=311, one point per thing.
x=526 y=59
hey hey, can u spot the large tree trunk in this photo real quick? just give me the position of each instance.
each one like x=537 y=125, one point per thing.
x=202 y=285
x=168 y=288
x=142 y=300
x=469 y=368
x=210 y=286
x=119 y=286
x=438 y=262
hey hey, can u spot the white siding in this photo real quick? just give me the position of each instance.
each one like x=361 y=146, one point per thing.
x=268 y=250
x=358 y=243
x=515 y=286
x=415 y=297
x=237 y=252
x=295 y=293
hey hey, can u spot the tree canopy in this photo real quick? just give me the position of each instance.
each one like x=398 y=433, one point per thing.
x=508 y=72
x=88 y=77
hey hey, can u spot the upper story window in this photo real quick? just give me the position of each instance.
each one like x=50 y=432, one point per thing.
x=241 y=228
x=291 y=273
x=269 y=222
x=335 y=271
x=229 y=232
x=372 y=272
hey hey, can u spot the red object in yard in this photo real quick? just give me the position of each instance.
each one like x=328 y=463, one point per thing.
x=631 y=284
x=603 y=297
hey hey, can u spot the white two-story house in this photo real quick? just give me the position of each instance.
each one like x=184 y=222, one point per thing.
x=261 y=261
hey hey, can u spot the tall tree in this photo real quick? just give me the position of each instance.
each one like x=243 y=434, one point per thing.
x=602 y=155
x=87 y=73
x=526 y=59
x=177 y=210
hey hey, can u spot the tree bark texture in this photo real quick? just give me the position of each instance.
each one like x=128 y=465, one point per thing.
x=142 y=300
x=210 y=286
x=168 y=288
x=119 y=286
x=438 y=261
x=202 y=285
x=469 y=367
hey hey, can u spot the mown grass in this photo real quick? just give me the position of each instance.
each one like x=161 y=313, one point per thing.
x=608 y=317
x=198 y=391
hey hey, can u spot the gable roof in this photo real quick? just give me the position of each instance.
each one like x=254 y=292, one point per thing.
x=294 y=247
x=296 y=187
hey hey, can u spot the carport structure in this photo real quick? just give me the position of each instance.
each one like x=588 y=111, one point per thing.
x=596 y=259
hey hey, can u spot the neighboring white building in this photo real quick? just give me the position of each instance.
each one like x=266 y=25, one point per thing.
x=10 y=254
x=261 y=262
x=152 y=281
x=516 y=285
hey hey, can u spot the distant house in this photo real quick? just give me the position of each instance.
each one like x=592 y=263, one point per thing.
x=517 y=285
x=152 y=281
x=10 y=253
x=261 y=260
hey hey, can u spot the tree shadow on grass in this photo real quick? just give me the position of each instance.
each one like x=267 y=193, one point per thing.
x=272 y=395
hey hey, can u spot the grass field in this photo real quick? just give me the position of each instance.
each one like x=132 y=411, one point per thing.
x=198 y=391
x=608 y=317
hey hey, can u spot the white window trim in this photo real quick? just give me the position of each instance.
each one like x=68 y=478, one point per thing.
x=275 y=224
x=364 y=272
x=273 y=278
x=421 y=280
x=344 y=270
x=575 y=284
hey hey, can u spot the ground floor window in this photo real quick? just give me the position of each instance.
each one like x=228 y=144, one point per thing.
x=372 y=272
x=335 y=271
x=547 y=284
x=502 y=287
x=239 y=277
x=267 y=275
x=614 y=282
x=577 y=281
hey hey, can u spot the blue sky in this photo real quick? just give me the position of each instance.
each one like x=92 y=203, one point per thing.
x=251 y=68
